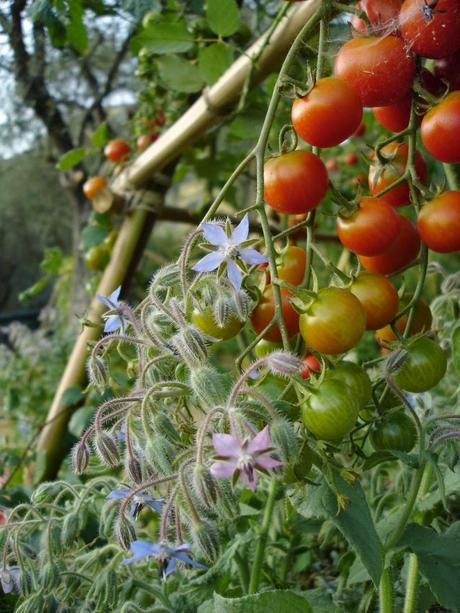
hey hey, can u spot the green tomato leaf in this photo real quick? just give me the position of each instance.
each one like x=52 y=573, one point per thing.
x=456 y=348
x=273 y=601
x=72 y=396
x=92 y=236
x=80 y=420
x=223 y=16
x=179 y=74
x=439 y=560
x=213 y=61
x=161 y=38
x=75 y=29
x=71 y=159
x=354 y=521
x=100 y=136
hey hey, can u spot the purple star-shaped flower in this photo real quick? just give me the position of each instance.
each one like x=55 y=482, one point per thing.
x=168 y=556
x=9 y=579
x=139 y=501
x=230 y=247
x=237 y=458
x=114 y=318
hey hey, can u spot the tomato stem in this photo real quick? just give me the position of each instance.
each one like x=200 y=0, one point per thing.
x=385 y=593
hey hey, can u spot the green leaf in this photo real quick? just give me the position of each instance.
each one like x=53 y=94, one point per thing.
x=71 y=159
x=75 y=29
x=91 y=236
x=223 y=16
x=456 y=348
x=52 y=260
x=213 y=61
x=161 y=38
x=80 y=420
x=354 y=521
x=100 y=137
x=274 y=601
x=388 y=456
x=72 y=396
x=439 y=560
x=179 y=74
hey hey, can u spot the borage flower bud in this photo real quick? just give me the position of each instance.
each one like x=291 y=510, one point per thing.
x=97 y=372
x=49 y=576
x=395 y=360
x=221 y=311
x=54 y=537
x=45 y=492
x=283 y=363
x=191 y=346
x=206 y=540
x=133 y=469
x=205 y=486
x=227 y=505
x=108 y=516
x=242 y=304
x=159 y=454
x=107 y=449
x=208 y=385
x=166 y=277
x=124 y=531
x=80 y=458
x=70 y=529
x=284 y=439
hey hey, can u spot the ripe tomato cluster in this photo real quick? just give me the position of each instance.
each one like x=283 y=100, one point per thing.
x=380 y=67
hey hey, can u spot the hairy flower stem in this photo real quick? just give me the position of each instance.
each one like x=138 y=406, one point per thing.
x=263 y=537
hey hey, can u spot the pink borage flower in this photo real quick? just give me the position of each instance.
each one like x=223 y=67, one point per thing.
x=241 y=459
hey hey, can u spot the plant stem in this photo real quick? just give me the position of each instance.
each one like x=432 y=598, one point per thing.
x=260 y=550
x=452 y=175
x=410 y=600
x=385 y=593
x=243 y=571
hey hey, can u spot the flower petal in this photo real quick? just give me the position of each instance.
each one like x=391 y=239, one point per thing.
x=234 y=274
x=241 y=232
x=113 y=298
x=209 y=262
x=252 y=484
x=226 y=445
x=251 y=256
x=260 y=442
x=223 y=470
x=170 y=567
x=183 y=557
x=214 y=234
x=103 y=300
x=117 y=494
x=267 y=463
x=142 y=549
x=112 y=323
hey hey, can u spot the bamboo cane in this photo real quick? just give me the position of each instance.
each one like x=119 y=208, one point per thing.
x=206 y=112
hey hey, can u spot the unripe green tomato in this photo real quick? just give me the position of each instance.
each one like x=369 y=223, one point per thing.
x=204 y=321
x=264 y=347
x=396 y=432
x=330 y=411
x=423 y=368
x=110 y=239
x=355 y=377
x=301 y=468
x=97 y=258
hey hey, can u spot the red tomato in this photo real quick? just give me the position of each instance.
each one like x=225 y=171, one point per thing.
x=382 y=13
x=401 y=253
x=117 y=150
x=359 y=180
x=449 y=69
x=160 y=119
x=94 y=185
x=440 y=129
x=334 y=322
x=371 y=229
x=265 y=310
x=292 y=266
x=315 y=117
x=293 y=220
x=311 y=364
x=359 y=25
x=295 y=182
x=379 y=298
x=421 y=323
x=380 y=69
x=431 y=29
x=332 y=164
x=396 y=154
x=438 y=222
x=145 y=140
x=350 y=159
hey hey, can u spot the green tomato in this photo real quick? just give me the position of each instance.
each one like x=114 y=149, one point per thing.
x=330 y=411
x=396 y=432
x=97 y=258
x=423 y=368
x=204 y=321
x=355 y=377
x=264 y=347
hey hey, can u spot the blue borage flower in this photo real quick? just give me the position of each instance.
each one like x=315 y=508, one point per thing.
x=139 y=501
x=9 y=579
x=168 y=556
x=232 y=245
x=114 y=318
